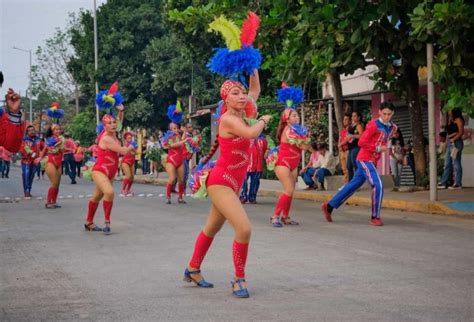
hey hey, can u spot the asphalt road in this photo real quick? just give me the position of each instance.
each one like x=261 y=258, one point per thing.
x=415 y=268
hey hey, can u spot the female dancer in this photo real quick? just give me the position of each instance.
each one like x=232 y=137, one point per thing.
x=293 y=139
x=106 y=166
x=354 y=132
x=224 y=183
x=128 y=165
x=54 y=150
x=174 y=165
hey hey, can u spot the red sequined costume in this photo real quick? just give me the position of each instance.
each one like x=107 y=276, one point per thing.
x=129 y=158
x=231 y=167
x=175 y=156
x=289 y=156
x=55 y=158
x=107 y=160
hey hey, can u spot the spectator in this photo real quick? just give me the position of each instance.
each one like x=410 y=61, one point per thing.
x=307 y=172
x=441 y=151
x=326 y=166
x=151 y=144
x=69 y=163
x=343 y=146
x=79 y=157
x=354 y=132
x=452 y=159
x=396 y=156
x=144 y=158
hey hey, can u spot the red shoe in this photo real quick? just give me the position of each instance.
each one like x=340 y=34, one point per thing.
x=327 y=214
x=376 y=222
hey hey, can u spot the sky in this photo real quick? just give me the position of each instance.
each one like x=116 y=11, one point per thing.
x=27 y=24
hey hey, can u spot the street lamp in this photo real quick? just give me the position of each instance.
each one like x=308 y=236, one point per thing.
x=96 y=63
x=29 y=87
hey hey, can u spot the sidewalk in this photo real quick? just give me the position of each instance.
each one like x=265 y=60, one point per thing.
x=450 y=202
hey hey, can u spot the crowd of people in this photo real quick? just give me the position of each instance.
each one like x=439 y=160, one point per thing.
x=234 y=178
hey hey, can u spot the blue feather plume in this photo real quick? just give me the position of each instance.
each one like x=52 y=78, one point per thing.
x=175 y=117
x=104 y=104
x=300 y=129
x=51 y=142
x=99 y=128
x=233 y=63
x=218 y=112
x=290 y=96
x=56 y=113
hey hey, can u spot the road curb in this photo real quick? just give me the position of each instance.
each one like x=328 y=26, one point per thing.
x=429 y=207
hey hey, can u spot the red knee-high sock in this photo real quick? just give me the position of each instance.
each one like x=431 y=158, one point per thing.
x=55 y=196
x=169 y=187
x=50 y=198
x=129 y=188
x=201 y=247
x=107 y=205
x=91 y=212
x=281 y=205
x=125 y=184
x=239 y=254
x=286 y=210
x=181 y=190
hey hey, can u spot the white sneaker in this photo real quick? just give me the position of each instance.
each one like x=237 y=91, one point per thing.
x=455 y=187
x=442 y=187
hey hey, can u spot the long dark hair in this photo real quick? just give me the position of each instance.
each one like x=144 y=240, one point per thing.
x=49 y=132
x=457 y=113
x=212 y=150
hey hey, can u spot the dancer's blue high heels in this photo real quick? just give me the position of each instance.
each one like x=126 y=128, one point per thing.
x=202 y=283
x=242 y=292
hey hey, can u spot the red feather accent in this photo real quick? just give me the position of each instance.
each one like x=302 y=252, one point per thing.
x=55 y=104
x=113 y=89
x=249 y=29
x=283 y=85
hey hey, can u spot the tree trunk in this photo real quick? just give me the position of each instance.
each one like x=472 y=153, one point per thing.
x=335 y=81
x=415 y=110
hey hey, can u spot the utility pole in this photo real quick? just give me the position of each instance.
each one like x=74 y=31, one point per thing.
x=96 y=63
x=431 y=123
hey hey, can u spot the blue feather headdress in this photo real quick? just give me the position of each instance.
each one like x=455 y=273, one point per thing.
x=175 y=113
x=239 y=58
x=106 y=100
x=290 y=96
x=55 y=113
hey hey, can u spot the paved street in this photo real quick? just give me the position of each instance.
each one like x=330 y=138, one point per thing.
x=416 y=268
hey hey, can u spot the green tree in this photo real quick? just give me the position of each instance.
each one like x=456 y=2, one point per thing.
x=82 y=128
x=449 y=25
x=125 y=29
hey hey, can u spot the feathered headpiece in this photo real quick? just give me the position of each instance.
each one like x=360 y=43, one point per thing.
x=175 y=113
x=105 y=100
x=290 y=96
x=55 y=113
x=239 y=57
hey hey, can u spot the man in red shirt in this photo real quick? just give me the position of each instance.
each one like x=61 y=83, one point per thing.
x=373 y=141
x=258 y=151
x=30 y=150
x=69 y=162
